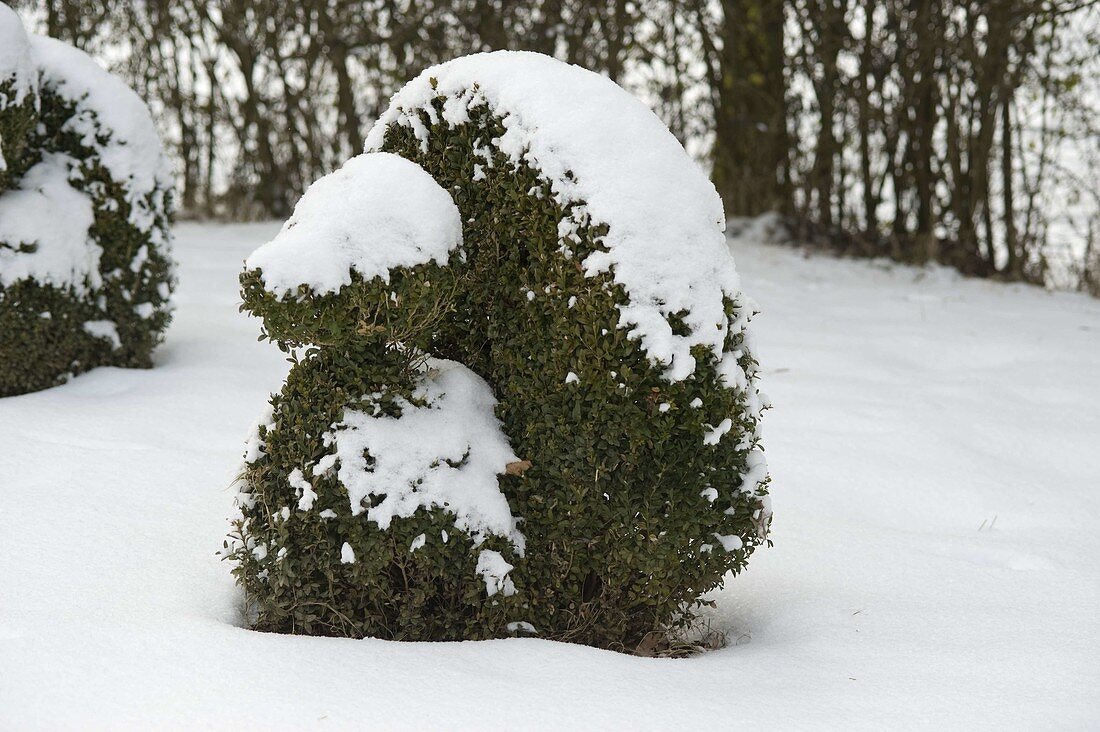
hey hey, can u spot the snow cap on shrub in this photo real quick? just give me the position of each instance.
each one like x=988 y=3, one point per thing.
x=377 y=212
x=15 y=58
x=608 y=159
x=445 y=451
x=47 y=212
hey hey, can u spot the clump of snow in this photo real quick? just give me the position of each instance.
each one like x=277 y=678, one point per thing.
x=347 y=554
x=254 y=445
x=494 y=569
x=110 y=119
x=306 y=494
x=608 y=160
x=733 y=376
x=104 y=330
x=324 y=466
x=44 y=229
x=377 y=212
x=729 y=542
x=715 y=433
x=444 y=451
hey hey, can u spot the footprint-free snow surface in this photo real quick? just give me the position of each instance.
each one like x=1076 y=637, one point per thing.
x=935 y=448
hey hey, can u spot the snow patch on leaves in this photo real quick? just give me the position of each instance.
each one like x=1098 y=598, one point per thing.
x=444 y=451
x=45 y=227
x=494 y=570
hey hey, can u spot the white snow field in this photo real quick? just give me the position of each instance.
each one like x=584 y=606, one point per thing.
x=935 y=449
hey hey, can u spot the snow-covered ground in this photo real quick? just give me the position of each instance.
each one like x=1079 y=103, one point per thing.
x=935 y=447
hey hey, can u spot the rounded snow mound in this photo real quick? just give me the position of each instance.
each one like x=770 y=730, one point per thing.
x=601 y=147
x=377 y=212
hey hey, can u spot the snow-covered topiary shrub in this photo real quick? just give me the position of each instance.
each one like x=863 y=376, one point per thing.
x=85 y=276
x=594 y=295
x=369 y=497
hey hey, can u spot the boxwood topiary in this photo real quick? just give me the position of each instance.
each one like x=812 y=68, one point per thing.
x=597 y=299
x=369 y=502
x=85 y=274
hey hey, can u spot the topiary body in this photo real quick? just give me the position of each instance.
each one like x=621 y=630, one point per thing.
x=334 y=536
x=619 y=519
x=633 y=408
x=291 y=554
x=85 y=275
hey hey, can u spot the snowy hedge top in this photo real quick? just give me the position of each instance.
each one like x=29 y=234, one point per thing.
x=15 y=58
x=377 y=212
x=600 y=146
x=111 y=120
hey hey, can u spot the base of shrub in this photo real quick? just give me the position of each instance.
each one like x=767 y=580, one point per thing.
x=45 y=340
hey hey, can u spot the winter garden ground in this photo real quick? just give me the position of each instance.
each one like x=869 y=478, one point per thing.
x=935 y=446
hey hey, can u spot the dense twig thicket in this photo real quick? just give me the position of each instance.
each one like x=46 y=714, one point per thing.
x=959 y=131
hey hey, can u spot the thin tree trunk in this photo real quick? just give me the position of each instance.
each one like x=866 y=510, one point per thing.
x=751 y=156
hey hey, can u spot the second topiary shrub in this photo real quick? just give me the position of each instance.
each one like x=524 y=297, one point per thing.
x=593 y=294
x=85 y=194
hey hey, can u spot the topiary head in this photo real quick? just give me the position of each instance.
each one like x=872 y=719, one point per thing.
x=369 y=253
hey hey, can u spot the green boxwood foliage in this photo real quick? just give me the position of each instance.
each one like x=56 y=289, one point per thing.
x=17 y=119
x=115 y=316
x=414 y=560
x=619 y=524
x=631 y=506
x=289 y=554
